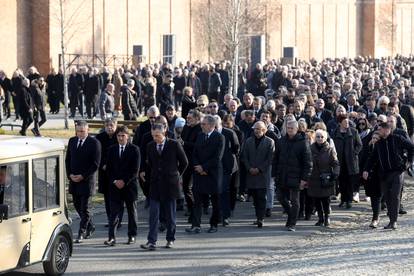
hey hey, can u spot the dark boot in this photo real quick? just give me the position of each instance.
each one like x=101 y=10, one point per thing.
x=320 y=221
x=327 y=221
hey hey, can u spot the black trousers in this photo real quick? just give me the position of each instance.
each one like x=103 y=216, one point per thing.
x=16 y=104
x=322 y=205
x=234 y=184
x=39 y=118
x=188 y=189
x=376 y=207
x=81 y=203
x=391 y=184
x=108 y=208
x=76 y=101
x=198 y=209
x=115 y=207
x=346 y=186
x=27 y=121
x=54 y=102
x=6 y=104
x=90 y=104
x=259 y=201
x=289 y=199
x=306 y=203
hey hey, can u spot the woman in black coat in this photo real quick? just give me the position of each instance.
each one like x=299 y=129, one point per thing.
x=325 y=161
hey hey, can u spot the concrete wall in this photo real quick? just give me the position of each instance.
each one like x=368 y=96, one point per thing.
x=318 y=29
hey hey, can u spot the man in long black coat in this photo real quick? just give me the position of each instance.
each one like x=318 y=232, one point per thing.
x=167 y=160
x=292 y=166
x=208 y=173
x=107 y=139
x=122 y=167
x=230 y=166
x=82 y=161
x=165 y=94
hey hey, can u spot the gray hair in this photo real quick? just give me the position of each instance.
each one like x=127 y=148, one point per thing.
x=153 y=109
x=82 y=124
x=210 y=120
x=111 y=120
x=159 y=127
x=293 y=123
x=218 y=121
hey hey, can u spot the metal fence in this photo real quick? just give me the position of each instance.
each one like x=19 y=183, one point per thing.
x=89 y=60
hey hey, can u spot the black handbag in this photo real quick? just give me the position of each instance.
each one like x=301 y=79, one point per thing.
x=327 y=180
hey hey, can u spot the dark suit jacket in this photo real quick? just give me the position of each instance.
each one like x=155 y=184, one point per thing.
x=166 y=169
x=164 y=97
x=143 y=128
x=231 y=150
x=85 y=161
x=123 y=168
x=209 y=155
x=106 y=142
x=326 y=115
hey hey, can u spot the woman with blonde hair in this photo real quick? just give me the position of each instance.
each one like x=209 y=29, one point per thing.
x=325 y=171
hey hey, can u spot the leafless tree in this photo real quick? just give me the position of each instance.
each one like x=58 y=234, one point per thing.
x=227 y=26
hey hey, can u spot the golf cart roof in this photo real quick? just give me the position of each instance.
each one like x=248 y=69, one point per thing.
x=19 y=146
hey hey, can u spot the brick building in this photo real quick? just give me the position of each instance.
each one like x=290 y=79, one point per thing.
x=30 y=29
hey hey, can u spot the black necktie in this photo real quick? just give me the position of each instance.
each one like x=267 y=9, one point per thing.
x=122 y=151
x=79 y=143
x=206 y=137
x=159 y=149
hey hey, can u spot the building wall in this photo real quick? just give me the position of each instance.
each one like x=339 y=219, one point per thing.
x=317 y=28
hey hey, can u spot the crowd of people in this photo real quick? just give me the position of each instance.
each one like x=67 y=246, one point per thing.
x=303 y=134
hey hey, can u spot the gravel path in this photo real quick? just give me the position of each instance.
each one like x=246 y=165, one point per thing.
x=349 y=248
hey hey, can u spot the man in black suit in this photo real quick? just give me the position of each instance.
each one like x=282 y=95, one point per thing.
x=122 y=166
x=167 y=160
x=230 y=166
x=208 y=173
x=82 y=161
x=107 y=138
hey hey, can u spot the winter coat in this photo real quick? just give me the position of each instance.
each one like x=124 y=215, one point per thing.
x=324 y=161
x=348 y=147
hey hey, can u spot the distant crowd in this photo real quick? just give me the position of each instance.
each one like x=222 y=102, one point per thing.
x=303 y=134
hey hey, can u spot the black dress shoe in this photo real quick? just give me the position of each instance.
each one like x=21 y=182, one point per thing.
x=259 y=223
x=391 y=226
x=226 y=222
x=402 y=212
x=213 y=229
x=90 y=232
x=268 y=213
x=79 y=239
x=148 y=246
x=131 y=240
x=110 y=242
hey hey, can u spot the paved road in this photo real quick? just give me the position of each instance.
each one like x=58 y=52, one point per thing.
x=357 y=251
x=204 y=254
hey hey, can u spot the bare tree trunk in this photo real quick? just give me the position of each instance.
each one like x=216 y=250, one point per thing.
x=65 y=82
